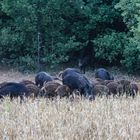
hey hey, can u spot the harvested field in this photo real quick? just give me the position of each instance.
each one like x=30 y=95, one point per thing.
x=41 y=119
x=115 y=119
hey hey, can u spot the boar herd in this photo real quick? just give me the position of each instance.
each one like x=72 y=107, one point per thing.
x=69 y=82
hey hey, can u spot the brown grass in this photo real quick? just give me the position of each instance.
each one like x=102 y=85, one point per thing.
x=103 y=119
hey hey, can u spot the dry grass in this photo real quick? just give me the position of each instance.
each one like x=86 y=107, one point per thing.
x=103 y=119
x=112 y=119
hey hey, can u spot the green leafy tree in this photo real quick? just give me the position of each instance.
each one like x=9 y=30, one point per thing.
x=106 y=30
x=50 y=32
x=19 y=38
x=131 y=14
x=37 y=29
x=110 y=47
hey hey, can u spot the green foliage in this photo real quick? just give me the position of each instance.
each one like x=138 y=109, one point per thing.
x=130 y=12
x=59 y=29
x=59 y=52
x=110 y=47
x=131 y=55
x=29 y=18
x=131 y=15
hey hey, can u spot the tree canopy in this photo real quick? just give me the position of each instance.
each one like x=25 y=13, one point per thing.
x=37 y=33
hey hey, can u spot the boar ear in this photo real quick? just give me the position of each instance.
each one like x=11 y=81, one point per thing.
x=60 y=74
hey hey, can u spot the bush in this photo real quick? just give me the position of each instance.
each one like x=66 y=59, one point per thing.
x=110 y=47
x=131 y=55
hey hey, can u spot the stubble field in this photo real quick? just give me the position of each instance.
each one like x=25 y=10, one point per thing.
x=41 y=119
